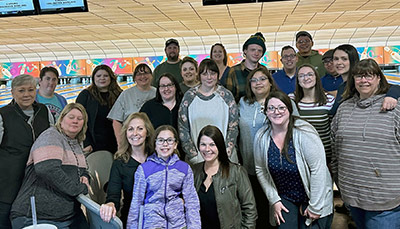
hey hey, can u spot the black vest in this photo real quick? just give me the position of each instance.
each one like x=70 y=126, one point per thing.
x=16 y=144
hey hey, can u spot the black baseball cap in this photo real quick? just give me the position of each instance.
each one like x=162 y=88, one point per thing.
x=328 y=54
x=303 y=33
x=171 y=41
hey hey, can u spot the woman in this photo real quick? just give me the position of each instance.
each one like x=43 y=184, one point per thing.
x=132 y=99
x=98 y=99
x=189 y=74
x=135 y=145
x=219 y=55
x=366 y=158
x=221 y=111
x=251 y=106
x=314 y=104
x=55 y=174
x=21 y=122
x=345 y=57
x=163 y=109
x=163 y=194
x=211 y=177
x=291 y=167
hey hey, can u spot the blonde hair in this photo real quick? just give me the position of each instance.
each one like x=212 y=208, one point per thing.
x=69 y=107
x=124 y=148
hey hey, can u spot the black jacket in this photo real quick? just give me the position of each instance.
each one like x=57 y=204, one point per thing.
x=16 y=144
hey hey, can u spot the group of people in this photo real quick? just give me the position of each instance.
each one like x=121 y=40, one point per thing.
x=208 y=145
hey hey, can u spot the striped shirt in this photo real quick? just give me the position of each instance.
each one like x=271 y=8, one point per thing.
x=318 y=116
x=366 y=153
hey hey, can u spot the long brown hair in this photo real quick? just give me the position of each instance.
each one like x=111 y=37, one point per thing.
x=250 y=97
x=215 y=134
x=319 y=95
x=114 y=89
x=125 y=149
x=225 y=60
x=286 y=100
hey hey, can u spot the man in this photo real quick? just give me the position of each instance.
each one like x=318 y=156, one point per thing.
x=46 y=95
x=172 y=64
x=285 y=79
x=305 y=55
x=332 y=80
x=253 y=49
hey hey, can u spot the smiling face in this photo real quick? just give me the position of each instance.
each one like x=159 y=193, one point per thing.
x=143 y=78
x=165 y=150
x=341 y=62
x=188 y=72
x=24 y=95
x=102 y=80
x=72 y=123
x=218 y=54
x=277 y=112
x=253 y=53
x=208 y=149
x=366 y=87
x=289 y=59
x=47 y=84
x=262 y=87
x=329 y=66
x=208 y=79
x=136 y=132
x=167 y=89
x=172 y=52
x=306 y=78
x=304 y=45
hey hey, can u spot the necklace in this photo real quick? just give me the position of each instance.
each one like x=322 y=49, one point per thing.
x=76 y=157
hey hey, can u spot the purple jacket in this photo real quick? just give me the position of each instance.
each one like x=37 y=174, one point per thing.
x=159 y=187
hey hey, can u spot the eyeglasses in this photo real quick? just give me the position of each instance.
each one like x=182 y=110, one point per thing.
x=169 y=141
x=310 y=74
x=303 y=41
x=327 y=60
x=287 y=57
x=280 y=109
x=170 y=85
x=208 y=73
x=142 y=73
x=260 y=79
x=365 y=76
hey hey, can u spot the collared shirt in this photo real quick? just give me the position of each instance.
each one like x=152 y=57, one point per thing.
x=331 y=83
x=284 y=82
x=236 y=80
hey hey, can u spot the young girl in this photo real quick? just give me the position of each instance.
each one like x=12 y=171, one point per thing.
x=164 y=188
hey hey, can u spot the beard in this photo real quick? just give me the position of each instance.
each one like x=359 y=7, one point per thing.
x=173 y=57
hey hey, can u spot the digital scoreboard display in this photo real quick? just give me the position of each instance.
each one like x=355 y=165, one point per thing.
x=17 y=8
x=62 y=6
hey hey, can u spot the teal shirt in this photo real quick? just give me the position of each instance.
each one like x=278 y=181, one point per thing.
x=52 y=103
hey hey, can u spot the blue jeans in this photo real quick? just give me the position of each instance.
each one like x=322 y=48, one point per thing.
x=376 y=219
x=293 y=219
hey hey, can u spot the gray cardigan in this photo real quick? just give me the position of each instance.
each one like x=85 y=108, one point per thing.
x=311 y=162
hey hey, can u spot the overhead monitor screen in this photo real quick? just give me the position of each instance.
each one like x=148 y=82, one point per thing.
x=16 y=7
x=62 y=6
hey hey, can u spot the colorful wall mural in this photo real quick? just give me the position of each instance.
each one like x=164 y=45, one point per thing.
x=389 y=55
x=67 y=68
